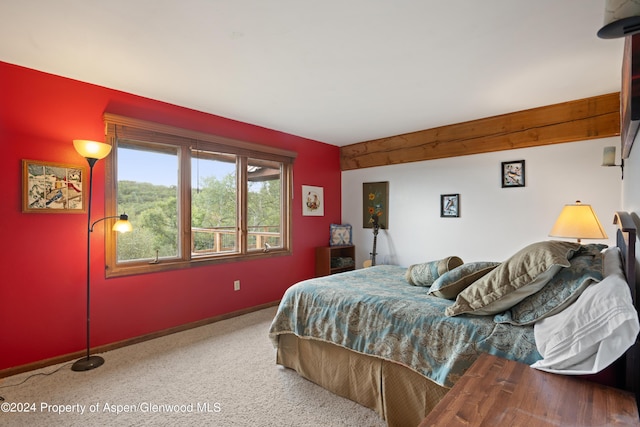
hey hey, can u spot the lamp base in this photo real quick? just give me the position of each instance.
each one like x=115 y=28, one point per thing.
x=87 y=363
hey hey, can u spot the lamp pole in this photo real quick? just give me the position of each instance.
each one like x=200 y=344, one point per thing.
x=89 y=362
x=93 y=151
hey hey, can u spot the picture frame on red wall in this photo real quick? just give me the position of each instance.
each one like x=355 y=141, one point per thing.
x=53 y=187
x=312 y=201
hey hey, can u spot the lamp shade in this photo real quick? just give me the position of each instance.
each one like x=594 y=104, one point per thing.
x=91 y=149
x=578 y=221
x=122 y=224
x=621 y=18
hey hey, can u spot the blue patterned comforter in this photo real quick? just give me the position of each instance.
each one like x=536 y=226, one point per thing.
x=374 y=311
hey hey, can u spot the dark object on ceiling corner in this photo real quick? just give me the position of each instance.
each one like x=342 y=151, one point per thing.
x=621 y=19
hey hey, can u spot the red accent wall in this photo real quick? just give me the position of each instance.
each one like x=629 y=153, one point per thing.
x=42 y=290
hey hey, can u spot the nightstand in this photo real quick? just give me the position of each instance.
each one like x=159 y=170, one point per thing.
x=324 y=254
x=501 y=392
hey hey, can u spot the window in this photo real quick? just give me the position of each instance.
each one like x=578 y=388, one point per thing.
x=193 y=198
x=214 y=203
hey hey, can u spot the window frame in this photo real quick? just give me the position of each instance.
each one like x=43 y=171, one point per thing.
x=145 y=132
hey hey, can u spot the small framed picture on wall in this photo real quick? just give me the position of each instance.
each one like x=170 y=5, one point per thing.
x=312 y=201
x=53 y=187
x=450 y=205
x=513 y=174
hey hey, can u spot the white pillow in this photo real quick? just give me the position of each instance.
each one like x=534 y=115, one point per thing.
x=593 y=332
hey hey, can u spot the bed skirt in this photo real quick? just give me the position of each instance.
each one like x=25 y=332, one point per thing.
x=401 y=396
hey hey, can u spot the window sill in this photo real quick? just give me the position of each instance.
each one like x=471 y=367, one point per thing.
x=146 y=267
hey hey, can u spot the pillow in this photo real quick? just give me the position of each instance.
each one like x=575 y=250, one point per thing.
x=525 y=273
x=562 y=290
x=594 y=248
x=426 y=273
x=451 y=283
x=593 y=332
x=340 y=235
x=612 y=261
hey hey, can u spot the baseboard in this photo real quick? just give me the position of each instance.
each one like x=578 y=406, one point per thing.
x=108 y=347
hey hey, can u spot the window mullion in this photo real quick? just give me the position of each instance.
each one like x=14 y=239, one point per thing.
x=184 y=211
x=242 y=203
x=286 y=201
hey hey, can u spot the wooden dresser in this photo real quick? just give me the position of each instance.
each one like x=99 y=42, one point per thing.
x=500 y=392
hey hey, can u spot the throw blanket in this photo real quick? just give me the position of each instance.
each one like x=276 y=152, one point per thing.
x=374 y=311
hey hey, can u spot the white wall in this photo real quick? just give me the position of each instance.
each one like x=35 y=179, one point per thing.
x=631 y=191
x=494 y=222
x=630 y=185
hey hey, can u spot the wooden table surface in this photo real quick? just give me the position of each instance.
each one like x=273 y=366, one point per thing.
x=500 y=392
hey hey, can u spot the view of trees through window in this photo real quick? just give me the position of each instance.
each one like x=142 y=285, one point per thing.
x=193 y=198
x=152 y=202
x=214 y=201
x=264 y=203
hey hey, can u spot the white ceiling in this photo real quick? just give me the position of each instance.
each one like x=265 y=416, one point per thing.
x=337 y=71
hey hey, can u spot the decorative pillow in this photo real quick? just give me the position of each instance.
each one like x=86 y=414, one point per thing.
x=594 y=331
x=451 y=283
x=612 y=261
x=593 y=248
x=525 y=273
x=340 y=235
x=562 y=290
x=426 y=273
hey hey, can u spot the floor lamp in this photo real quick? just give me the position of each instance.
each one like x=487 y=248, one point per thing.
x=94 y=151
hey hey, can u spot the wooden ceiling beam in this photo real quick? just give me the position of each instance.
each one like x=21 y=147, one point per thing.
x=584 y=119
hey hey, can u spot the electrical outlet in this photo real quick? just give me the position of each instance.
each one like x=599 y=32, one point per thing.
x=236 y=285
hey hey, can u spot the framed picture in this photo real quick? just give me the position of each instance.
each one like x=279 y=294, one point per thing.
x=375 y=201
x=450 y=205
x=312 y=201
x=53 y=187
x=513 y=174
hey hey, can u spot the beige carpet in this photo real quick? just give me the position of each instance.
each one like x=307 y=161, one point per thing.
x=222 y=374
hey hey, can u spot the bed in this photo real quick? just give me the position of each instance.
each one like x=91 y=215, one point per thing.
x=395 y=339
